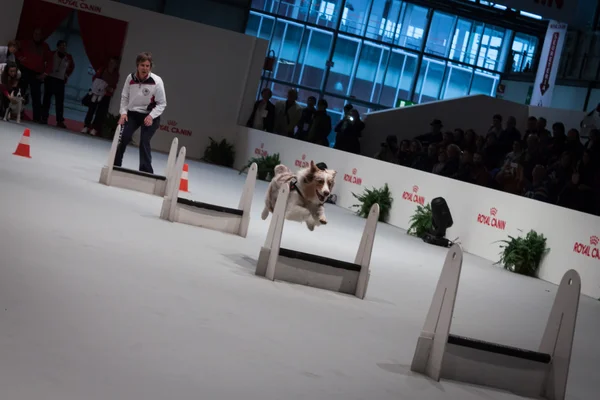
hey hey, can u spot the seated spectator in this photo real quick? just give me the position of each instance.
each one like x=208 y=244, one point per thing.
x=593 y=144
x=426 y=162
x=496 y=127
x=532 y=125
x=558 y=142
x=537 y=188
x=559 y=173
x=320 y=127
x=459 y=138
x=452 y=162
x=509 y=178
x=481 y=175
x=435 y=136
x=306 y=118
x=492 y=152
x=573 y=143
x=508 y=136
x=263 y=113
x=465 y=168
x=577 y=196
x=479 y=144
x=532 y=156
x=447 y=140
x=587 y=170
x=389 y=150
x=403 y=152
x=541 y=128
x=442 y=159
x=470 y=142
x=414 y=152
x=515 y=155
x=349 y=131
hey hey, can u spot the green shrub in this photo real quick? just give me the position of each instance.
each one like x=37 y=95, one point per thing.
x=420 y=222
x=266 y=166
x=382 y=196
x=219 y=153
x=523 y=255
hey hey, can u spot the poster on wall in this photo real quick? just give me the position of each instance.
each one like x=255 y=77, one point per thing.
x=545 y=79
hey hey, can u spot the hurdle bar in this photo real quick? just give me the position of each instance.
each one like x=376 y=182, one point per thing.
x=144 y=182
x=210 y=216
x=542 y=373
x=275 y=262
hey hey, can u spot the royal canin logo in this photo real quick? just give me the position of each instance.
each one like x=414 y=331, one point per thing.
x=491 y=219
x=302 y=163
x=589 y=250
x=171 y=126
x=261 y=152
x=414 y=196
x=353 y=178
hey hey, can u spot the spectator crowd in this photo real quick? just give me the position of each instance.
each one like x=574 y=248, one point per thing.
x=310 y=123
x=554 y=166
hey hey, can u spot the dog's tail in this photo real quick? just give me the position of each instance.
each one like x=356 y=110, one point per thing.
x=282 y=169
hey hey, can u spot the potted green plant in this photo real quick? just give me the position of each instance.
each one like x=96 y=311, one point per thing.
x=381 y=196
x=523 y=255
x=266 y=166
x=219 y=153
x=420 y=221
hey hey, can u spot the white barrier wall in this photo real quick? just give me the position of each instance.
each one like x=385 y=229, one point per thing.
x=481 y=216
x=211 y=75
x=471 y=112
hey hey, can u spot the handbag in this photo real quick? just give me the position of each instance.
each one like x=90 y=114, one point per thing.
x=87 y=99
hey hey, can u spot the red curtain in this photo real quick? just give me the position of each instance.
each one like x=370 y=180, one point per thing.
x=102 y=37
x=43 y=15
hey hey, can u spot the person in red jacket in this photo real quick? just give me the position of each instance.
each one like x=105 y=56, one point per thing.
x=105 y=82
x=31 y=58
x=59 y=66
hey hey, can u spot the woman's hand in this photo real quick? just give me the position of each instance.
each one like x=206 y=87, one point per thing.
x=123 y=119
x=148 y=120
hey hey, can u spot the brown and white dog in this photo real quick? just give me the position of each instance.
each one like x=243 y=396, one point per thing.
x=309 y=189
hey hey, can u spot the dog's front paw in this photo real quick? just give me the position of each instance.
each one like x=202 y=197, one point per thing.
x=323 y=220
x=265 y=214
x=310 y=225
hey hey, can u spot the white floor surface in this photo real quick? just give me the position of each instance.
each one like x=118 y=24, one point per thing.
x=102 y=300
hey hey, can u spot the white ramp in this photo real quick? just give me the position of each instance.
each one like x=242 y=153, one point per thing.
x=542 y=373
x=210 y=216
x=306 y=269
x=144 y=182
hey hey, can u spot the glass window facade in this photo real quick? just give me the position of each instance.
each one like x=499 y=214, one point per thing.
x=375 y=53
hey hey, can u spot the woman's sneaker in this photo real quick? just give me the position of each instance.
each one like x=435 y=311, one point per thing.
x=93 y=132
x=85 y=130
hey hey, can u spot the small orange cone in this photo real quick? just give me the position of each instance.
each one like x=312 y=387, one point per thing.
x=23 y=146
x=183 y=184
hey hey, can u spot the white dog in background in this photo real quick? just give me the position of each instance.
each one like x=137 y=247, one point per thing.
x=309 y=189
x=14 y=107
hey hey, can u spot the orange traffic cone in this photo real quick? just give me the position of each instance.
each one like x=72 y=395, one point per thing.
x=23 y=146
x=183 y=184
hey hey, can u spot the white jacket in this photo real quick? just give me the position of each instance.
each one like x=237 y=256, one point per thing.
x=146 y=97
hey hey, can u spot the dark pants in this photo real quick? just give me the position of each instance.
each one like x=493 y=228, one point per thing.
x=135 y=120
x=29 y=80
x=54 y=87
x=97 y=113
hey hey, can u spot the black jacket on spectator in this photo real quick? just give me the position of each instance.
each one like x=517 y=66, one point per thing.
x=348 y=135
x=268 y=121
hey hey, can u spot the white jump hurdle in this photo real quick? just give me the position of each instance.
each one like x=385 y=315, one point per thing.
x=126 y=178
x=293 y=266
x=535 y=374
x=210 y=216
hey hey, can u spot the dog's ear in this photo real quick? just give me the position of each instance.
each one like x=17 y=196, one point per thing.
x=333 y=172
x=313 y=167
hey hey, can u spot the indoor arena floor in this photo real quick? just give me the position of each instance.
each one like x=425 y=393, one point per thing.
x=100 y=299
